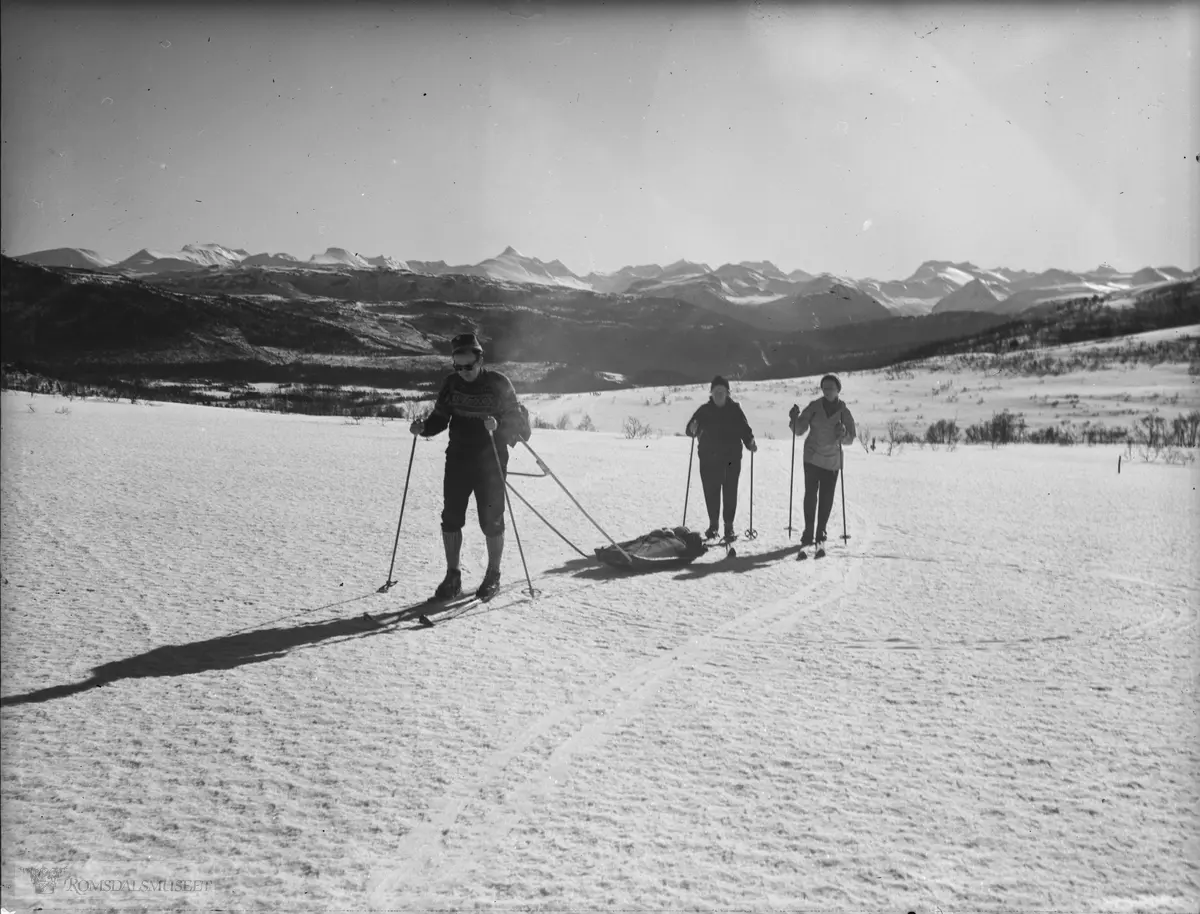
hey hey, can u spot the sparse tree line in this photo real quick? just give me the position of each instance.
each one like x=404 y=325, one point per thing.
x=1152 y=437
x=1082 y=319
x=304 y=399
x=1033 y=363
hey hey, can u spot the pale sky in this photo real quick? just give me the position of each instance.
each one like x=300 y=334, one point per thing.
x=857 y=142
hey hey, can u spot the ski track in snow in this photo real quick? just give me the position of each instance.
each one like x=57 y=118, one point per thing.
x=985 y=700
x=604 y=711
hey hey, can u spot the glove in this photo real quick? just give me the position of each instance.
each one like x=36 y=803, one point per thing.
x=417 y=427
x=793 y=412
x=752 y=446
x=692 y=428
x=841 y=430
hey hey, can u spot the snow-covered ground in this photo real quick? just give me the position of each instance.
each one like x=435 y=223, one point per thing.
x=940 y=388
x=985 y=700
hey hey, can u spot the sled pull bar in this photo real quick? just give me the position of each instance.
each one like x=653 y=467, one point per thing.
x=537 y=514
x=549 y=472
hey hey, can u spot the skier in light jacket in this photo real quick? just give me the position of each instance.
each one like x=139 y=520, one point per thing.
x=829 y=425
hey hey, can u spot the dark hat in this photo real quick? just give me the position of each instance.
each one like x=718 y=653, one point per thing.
x=719 y=381
x=834 y=379
x=465 y=342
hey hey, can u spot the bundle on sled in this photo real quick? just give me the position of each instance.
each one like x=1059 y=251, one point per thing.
x=666 y=547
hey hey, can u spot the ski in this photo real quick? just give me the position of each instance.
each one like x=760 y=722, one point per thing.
x=434 y=603
x=459 y=605
x=726 y=543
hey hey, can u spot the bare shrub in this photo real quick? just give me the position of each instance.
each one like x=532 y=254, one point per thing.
x=864 y=437
x=636 y=428
x=1178 y=455
x=898 y=436
x=1003 y=428
x=943 y=432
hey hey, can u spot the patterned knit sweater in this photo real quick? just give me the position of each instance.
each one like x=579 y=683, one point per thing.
x=462 y=406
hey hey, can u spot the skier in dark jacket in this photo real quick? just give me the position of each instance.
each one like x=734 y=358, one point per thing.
x=474 y=403
x=829 y=425
x=722 y=429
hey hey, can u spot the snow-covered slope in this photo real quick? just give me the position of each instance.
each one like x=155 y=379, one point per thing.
x=981 y=680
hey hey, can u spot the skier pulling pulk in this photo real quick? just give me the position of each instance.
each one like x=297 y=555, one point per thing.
x=475 y=403
x=480 y=409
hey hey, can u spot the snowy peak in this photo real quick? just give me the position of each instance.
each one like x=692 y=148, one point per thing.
x=384 y=262
x=76 y=258
x=1152 y=276
x=682 y=268
x=339 y=257
x=269 y=260
x=943 y=271
x=764 y=268
x=976 y=295
x=512 y=266
x=559 y=269
x=210 y=255
x=148 y=261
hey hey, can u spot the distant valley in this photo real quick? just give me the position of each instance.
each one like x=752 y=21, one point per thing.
x=339 y=317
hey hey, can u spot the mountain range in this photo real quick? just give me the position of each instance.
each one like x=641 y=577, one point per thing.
x=210 y=311
x=754 y=292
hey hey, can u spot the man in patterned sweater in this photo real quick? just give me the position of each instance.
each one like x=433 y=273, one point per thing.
x=474 y=403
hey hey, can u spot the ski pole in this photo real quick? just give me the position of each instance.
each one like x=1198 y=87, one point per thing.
x=751 y=533
x=396 y=545
x=512 y=517
x=842 y=461
x=795 y=411
x=688 y=490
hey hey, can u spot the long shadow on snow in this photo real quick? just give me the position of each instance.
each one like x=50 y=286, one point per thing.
x=591 y=569
x=227 y=652
x=739 y=564
x=594 y=569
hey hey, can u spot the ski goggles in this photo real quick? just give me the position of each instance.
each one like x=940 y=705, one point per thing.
x=470 y=366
